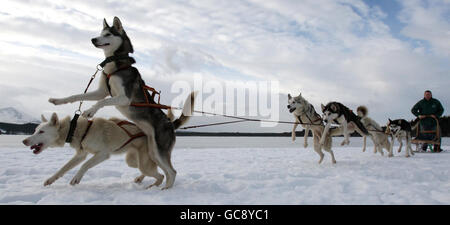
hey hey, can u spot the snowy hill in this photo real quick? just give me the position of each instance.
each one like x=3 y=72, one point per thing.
x=12 y=115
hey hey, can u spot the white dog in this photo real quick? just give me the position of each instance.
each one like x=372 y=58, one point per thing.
x=379 y=137
x=99 y=137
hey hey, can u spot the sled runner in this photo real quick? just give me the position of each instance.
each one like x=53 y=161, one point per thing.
x=430 y=137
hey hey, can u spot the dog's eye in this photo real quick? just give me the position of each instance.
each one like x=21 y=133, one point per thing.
x=107 y=35
x=41 y=132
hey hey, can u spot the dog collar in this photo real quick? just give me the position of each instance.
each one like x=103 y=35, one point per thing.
x=114 y=58
x=73 y=126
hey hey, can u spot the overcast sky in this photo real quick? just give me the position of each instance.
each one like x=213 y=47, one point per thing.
x=382 y=54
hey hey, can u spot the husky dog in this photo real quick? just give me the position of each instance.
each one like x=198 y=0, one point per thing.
x=337 y=113
x=400 y=129
x=125 y=86
x=299 y=106
x=379 y=137
x=99 y=137
x=304 y=112
x=414 y=126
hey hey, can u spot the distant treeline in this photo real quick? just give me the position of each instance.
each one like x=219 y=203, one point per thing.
x=10 y=128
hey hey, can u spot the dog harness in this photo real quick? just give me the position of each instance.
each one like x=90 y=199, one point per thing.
x=132 y=136
x=312 y=110
x=86 y=132
x=120 y=124
x=144 y=87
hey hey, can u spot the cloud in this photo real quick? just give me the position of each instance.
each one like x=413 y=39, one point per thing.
x=341 y=50
x=428 y=21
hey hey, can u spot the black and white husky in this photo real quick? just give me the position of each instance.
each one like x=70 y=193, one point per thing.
x=337 y=113
x=400 y=129
x=124 y=84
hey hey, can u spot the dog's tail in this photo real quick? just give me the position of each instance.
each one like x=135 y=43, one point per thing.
x=364 y=111
x=188 y=110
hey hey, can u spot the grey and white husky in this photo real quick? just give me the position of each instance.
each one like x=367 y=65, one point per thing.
x=124 y=84
x=306 y=115
x=337 y=113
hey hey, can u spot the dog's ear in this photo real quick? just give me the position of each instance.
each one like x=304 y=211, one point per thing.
x=118 y=25
x=105 y=24
x=322 y=106
x=43 y=119
x=390 y=121
x=289 y=96
x=54 y=120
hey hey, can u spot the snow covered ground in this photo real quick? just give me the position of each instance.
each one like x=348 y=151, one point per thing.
x=233 y=170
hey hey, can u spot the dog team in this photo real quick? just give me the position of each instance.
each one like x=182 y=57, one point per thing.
x=149 y=140
x=337 y=113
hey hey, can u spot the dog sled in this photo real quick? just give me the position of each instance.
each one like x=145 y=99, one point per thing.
x=429 y=136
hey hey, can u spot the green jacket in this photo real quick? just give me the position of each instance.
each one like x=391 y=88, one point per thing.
x=428 y=107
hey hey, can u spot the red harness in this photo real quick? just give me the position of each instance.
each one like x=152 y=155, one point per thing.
x=120 y=124
x=144 y=90
x=132 y=136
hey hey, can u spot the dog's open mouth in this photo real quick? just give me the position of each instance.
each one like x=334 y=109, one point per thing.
x=291 y=109
x=37 y=148
x=102 y=45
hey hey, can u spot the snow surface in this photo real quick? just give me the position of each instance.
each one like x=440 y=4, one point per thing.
x=233 y=170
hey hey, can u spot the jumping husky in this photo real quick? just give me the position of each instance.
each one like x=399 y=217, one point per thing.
x=337 y=113
x=125 y=86
x=379 y=137
x=99 y=137
x=400 y=129
x=305 y=113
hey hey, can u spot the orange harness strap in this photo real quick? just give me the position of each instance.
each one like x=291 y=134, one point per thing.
x=132 y=136
x=144 y=89
x=147 y=102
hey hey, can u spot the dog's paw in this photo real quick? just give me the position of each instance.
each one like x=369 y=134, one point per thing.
x=156 y=184
x=293 y=138
x=76 y=180
x=58 y=101
x=345 y=142
x=50 y=181
x=90 y=112
x=139 y=179
x=305 y=144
